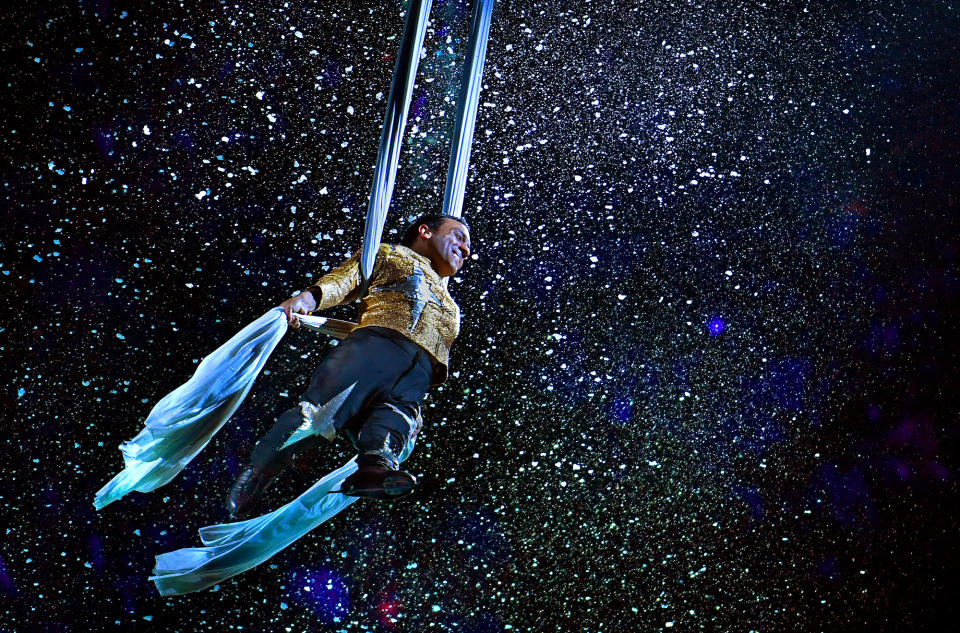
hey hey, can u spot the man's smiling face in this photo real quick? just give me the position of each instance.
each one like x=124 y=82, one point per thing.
x=448 y=246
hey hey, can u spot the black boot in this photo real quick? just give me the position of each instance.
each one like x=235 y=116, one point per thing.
x=248 y=487
x=378 y=481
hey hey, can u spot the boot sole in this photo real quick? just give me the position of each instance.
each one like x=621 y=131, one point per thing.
x=399 y=484
x=394 y=486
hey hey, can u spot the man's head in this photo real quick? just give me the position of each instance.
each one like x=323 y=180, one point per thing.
x=443 y=239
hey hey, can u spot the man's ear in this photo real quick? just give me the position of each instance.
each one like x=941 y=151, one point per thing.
x=425 y=232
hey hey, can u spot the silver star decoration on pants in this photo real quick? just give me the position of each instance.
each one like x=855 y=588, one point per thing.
x=318 y=420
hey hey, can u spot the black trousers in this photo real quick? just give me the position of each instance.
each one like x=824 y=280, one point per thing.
x=369 y=389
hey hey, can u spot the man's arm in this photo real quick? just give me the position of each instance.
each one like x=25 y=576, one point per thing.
x=338 y=286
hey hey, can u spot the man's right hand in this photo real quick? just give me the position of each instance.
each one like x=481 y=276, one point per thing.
x=303 y=303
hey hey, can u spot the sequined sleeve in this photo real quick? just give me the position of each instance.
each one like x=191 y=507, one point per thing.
x=342 y=284
x=337 y=285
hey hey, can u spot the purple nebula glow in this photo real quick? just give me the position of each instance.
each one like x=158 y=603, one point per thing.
x=716 y=326
x=324 y=591
x=622 y=410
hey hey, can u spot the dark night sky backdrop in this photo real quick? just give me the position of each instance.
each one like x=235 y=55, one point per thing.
x=707 y=373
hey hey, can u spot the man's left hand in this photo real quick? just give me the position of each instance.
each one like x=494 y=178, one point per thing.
x=303 y=303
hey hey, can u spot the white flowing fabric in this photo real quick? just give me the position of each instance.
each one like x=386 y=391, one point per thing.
x=391 y=140
x=232 y=548
x=185 y=420
x=470 y=86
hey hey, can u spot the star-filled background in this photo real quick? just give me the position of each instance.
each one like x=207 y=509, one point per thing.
x=707 y=375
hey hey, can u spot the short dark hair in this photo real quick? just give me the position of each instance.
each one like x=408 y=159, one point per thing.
x=432 y=220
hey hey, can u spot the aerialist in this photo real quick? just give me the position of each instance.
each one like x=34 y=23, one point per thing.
x=369 y=388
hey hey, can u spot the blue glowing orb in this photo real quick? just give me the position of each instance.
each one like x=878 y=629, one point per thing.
x=716 y=326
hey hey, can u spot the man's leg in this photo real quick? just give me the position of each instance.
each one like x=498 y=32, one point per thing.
x=337 y=389
x=362 y=368
x=383 y=434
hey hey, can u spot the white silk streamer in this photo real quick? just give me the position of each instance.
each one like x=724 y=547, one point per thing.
x=185 y=421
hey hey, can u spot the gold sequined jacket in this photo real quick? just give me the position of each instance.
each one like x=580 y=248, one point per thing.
x=405 y=295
